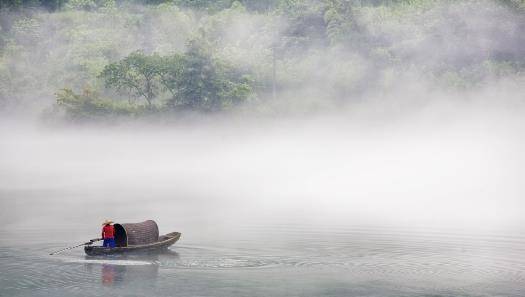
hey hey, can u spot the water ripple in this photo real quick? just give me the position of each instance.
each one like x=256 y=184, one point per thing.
x=467 y=265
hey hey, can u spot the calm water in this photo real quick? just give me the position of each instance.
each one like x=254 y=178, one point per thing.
x=279 y=261
x=267 y=212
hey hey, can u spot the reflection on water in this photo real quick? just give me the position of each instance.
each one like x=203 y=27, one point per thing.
x=122 y=274
x=112 y=273
x=128 y=269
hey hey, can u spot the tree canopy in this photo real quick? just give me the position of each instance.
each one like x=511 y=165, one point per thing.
x=136 y=75
x=194 y=80
x=148 y=56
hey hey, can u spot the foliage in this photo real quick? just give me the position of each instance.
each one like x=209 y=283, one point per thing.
x=209 y=55
x=90 y=4
x=193 y=80
x=136 y=75
x=338 y=18
x=16 y=4
x=198 y=81
x=88 y=105
x=518 y=5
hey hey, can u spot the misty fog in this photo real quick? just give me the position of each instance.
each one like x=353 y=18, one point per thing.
x=351 y=138
x=301 y=147
x=434 y=167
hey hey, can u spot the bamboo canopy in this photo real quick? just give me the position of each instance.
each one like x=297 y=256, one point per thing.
x=129 y=234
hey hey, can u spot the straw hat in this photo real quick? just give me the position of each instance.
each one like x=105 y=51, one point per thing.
x=107 y=222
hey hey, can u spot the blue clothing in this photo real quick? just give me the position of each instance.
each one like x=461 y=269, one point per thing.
x=109 y=242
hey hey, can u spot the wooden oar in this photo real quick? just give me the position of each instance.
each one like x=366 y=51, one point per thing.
x=72 y=247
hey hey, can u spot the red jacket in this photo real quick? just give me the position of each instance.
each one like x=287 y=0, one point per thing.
x=108 y=231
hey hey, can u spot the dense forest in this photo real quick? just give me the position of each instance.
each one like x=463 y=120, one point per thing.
x=92 y=59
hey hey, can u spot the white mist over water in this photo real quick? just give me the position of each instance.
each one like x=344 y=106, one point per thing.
x=444 y=169
x=390 y=165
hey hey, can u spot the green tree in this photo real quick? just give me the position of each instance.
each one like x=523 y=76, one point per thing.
x=338 y=19
x=136 y=75
x=89 y=105
x=169 y=71
x=201 y=82
x=196 y=82
x=51 y=5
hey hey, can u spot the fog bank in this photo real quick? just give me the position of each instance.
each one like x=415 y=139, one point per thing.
x=437 y=167
x=400 y=113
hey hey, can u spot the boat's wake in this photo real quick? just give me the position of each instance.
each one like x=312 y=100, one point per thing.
x=112 y=262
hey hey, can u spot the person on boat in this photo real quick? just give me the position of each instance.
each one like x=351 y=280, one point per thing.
x=108 y=234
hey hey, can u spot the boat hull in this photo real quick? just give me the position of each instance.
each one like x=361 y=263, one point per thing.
x=164 y=242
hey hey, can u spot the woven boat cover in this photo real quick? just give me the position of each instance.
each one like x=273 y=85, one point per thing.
x=136 y=233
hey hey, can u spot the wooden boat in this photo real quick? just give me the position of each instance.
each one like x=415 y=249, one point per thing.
x=137 y=237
